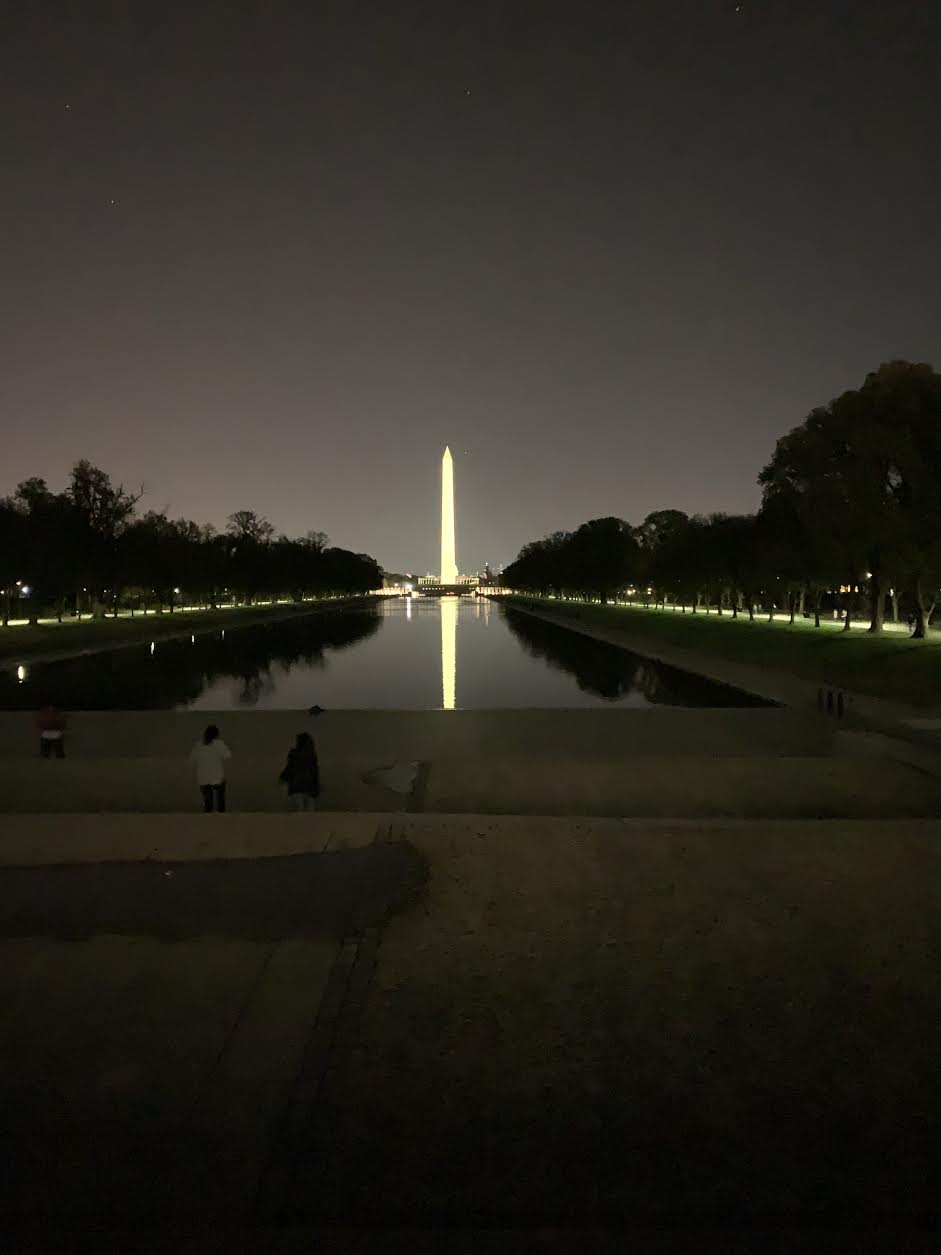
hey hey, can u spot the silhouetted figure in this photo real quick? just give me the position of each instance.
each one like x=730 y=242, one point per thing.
x=209 y=757
x=51 y=725
x=301 y=774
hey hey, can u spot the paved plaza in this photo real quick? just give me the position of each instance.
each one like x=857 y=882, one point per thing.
x=689 y=763
x=475 y=1021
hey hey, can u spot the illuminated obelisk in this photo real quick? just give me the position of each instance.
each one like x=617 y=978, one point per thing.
x=448 y=555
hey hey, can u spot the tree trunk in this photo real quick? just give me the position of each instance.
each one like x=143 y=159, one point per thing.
x=876 y=605
x=801 y=603
x=894 y=602
x=923 y=613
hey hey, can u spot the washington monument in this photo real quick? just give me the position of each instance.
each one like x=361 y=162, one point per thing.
x=448 y=553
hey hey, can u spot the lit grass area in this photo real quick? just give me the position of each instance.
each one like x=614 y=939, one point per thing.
x=891 y=666
x=20 y=643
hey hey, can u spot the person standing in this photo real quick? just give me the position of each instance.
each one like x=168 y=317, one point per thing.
x=209 y=757
x=50 y=723
x=301 y=774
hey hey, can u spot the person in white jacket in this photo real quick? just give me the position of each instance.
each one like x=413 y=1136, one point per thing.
x=209 y=757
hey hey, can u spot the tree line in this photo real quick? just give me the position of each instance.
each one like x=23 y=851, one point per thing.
x=850 y=521
x=88 y=549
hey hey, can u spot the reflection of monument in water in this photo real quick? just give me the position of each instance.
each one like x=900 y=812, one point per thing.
x=449 y=652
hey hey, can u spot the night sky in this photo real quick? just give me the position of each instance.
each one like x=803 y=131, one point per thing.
x=275 y=256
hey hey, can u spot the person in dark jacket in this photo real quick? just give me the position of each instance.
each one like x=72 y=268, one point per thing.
x=301 y=774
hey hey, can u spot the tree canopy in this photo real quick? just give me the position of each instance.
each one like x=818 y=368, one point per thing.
x=851 y=508
x=88 y=548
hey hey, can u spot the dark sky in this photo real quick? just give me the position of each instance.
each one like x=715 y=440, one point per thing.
x=275 y=256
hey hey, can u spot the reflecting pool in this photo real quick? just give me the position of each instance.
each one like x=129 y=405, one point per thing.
x=401 y=653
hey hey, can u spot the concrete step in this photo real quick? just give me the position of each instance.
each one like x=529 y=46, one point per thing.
x=691 y=787
x=399 y=735
x=643 y=786
x=32 y=840
x=167 y=785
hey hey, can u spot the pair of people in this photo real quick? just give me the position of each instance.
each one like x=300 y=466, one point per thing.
x=301 y=772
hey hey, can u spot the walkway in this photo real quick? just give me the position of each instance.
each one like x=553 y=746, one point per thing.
x=746 y=763
x=570 y=1023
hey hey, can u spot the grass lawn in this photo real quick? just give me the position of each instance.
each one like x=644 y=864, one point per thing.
x=19 y=642
x=891 y=666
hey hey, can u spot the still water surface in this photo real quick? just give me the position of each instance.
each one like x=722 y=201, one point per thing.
x=399 y=654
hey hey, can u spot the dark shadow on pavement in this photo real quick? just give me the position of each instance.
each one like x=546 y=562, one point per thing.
x=330 y=894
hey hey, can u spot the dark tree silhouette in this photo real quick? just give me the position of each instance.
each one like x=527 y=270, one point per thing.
x=87 y=546
x=851 y=506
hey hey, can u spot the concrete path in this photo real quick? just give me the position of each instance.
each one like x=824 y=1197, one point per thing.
x=137 y=1073
x=851 y=784
x=31 y=840
x=157 y=1016
x=598 y=1023
x=387 y=736
x=569 y=1023
x=758 y=763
